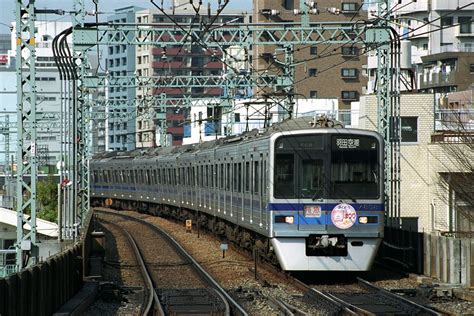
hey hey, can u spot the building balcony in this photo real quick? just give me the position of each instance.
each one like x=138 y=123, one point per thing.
x=437 y=80
x=449 y=5
x=168 y=64
x=214 y=91
x=170 y=91
x=455 y=120
x=448 y=137
x=213 y=65
x=461 y=47
x=175 y=130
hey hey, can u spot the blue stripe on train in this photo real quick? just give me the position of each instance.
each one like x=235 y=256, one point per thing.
x=375 y=207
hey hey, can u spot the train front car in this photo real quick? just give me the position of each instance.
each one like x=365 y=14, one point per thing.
x=326 y=199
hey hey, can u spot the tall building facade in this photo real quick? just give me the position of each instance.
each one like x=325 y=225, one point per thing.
x=321 y=71
x=120 y=61
x=174 y=61
x=440 y=41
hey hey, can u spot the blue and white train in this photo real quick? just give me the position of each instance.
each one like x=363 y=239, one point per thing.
x=308 y=197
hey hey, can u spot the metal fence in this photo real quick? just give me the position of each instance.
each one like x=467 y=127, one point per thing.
x=402 y=249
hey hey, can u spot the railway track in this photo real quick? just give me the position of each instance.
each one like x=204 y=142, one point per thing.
x=373 y=300
x=150 y=298
x=360 y=298
x=180 y=284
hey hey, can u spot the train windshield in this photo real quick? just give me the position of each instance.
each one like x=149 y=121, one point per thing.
x=342 y=166
x=354 y=167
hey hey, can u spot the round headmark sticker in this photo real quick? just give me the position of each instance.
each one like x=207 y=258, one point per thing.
x=343 y=216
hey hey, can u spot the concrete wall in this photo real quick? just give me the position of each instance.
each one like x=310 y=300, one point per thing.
x=449 y=259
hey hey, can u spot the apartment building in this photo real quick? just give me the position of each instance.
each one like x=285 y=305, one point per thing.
x=189 y=61
x=440 y=37
x=120 y=61
x=321 y=71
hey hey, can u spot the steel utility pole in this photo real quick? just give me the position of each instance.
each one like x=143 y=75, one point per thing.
x=387 y=46
x=27 y=167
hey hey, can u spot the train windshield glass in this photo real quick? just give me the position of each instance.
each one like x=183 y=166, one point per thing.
x=354 y=167
x=341 y=166
x=299 y=166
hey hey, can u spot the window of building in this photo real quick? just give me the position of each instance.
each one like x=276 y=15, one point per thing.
x=313 y=50
x=348 y=72
x=409 y=129
x=124 y=61
x=349 y=51
x=349 y=6
x=312 y=72
x=237 y=117
x=425 y=46
x=447 y=21
x=111 y=50
x=349 y=95
x=313 y=94
x=471 y=68
x=288 y=4
x=465 y=23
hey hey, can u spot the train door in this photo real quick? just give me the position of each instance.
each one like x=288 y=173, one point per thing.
x=312 y=171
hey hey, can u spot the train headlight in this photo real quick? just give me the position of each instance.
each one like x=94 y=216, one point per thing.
x=368 y=219
x=284 y=219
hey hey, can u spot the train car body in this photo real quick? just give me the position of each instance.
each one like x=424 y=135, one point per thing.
x=314 y=196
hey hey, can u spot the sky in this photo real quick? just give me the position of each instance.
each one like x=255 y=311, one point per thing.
x=7 y=8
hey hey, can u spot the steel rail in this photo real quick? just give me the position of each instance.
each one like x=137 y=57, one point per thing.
x=228 y=300
x=421 y=309
x=152 y=296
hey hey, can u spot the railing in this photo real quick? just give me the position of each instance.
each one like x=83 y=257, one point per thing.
x=454 y=120
x=433 y=79
x=7 y=270
x=461 y=47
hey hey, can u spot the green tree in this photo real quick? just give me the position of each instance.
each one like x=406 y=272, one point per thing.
x=47 y=199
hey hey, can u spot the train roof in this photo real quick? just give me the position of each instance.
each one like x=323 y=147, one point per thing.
x=300 y=123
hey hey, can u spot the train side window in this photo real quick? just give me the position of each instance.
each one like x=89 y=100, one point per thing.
x=236 y=181
x=188 y=176
x=221 y=176
x=256 y=178
x=211 y=176
x=284 y=176
x=264 y=177
x=239 y=176
x=228 y=178
x=247 y=176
